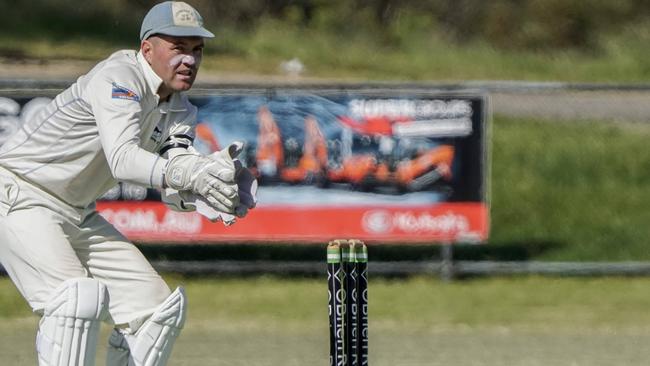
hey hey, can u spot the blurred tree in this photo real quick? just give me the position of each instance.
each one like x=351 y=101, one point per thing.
x=533 y=24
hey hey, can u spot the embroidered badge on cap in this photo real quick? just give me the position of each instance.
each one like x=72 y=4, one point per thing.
x=120 y=92
x=185 y=15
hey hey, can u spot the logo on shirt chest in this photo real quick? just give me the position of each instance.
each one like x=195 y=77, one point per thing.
x=120 y=92
x=156 y=136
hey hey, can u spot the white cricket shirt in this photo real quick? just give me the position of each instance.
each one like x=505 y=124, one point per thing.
x=106 y=127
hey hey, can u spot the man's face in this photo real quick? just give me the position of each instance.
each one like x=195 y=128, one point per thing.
x=175 y=60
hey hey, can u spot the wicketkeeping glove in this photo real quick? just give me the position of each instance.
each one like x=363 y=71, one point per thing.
x=210 y=177
x=247 y=200
x=245 y=180
x=246 y=188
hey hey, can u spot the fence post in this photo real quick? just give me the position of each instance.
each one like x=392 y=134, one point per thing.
x=447 y=262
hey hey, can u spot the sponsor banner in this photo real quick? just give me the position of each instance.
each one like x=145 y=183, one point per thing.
x=450 y=222
x=385 y=164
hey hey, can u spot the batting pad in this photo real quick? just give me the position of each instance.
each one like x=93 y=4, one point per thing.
x=68 y=331
x=152 y=343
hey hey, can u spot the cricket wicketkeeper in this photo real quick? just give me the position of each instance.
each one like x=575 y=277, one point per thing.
x=125 y=120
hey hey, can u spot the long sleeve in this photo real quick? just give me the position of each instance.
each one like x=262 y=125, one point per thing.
x=116 y=104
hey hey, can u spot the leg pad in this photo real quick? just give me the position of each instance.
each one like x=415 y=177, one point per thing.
x=152 y=343
x=68 y=330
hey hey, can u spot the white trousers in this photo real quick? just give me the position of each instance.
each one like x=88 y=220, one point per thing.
x=44 y=242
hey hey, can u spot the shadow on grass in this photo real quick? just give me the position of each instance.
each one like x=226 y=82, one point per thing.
x=506 y=251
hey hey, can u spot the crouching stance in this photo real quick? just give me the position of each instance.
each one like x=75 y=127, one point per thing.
x=126 y=120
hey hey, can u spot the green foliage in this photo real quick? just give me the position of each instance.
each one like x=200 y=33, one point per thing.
x=568 y=40
x=409 y=55
x=534 y=24
x=60 y=20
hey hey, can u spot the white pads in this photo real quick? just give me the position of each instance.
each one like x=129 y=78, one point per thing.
x=152 y=343
x=68 y=330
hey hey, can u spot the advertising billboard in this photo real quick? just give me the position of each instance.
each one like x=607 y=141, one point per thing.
x=392 y=165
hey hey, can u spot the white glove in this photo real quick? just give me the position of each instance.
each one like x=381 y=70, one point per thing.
x=212 y=178
x=246 y=186
x=206 y=210
x=245 y=180
x=186 y=201
x=178 y=201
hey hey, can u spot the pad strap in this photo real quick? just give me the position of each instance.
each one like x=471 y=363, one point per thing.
x=176 y=141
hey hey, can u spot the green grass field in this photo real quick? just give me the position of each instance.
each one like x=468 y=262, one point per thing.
x=571 y=190
x=523 y=321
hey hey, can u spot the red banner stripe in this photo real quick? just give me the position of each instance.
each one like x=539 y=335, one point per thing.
x=449 y=222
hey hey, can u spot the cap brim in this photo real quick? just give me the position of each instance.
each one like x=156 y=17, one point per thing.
x=177 y=31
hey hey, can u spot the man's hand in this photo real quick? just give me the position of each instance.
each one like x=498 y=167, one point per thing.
x=210 y=177
x=188 y=201
x=247 y=185
x=244 y=179
x=229 y=173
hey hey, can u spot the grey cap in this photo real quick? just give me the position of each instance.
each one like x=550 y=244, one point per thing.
x=173 y=18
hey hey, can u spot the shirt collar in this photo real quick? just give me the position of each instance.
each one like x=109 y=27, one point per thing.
x=175 y=104
x=154 y=81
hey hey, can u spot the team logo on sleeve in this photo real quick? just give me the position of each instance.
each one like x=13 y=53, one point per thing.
x=120 y=92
